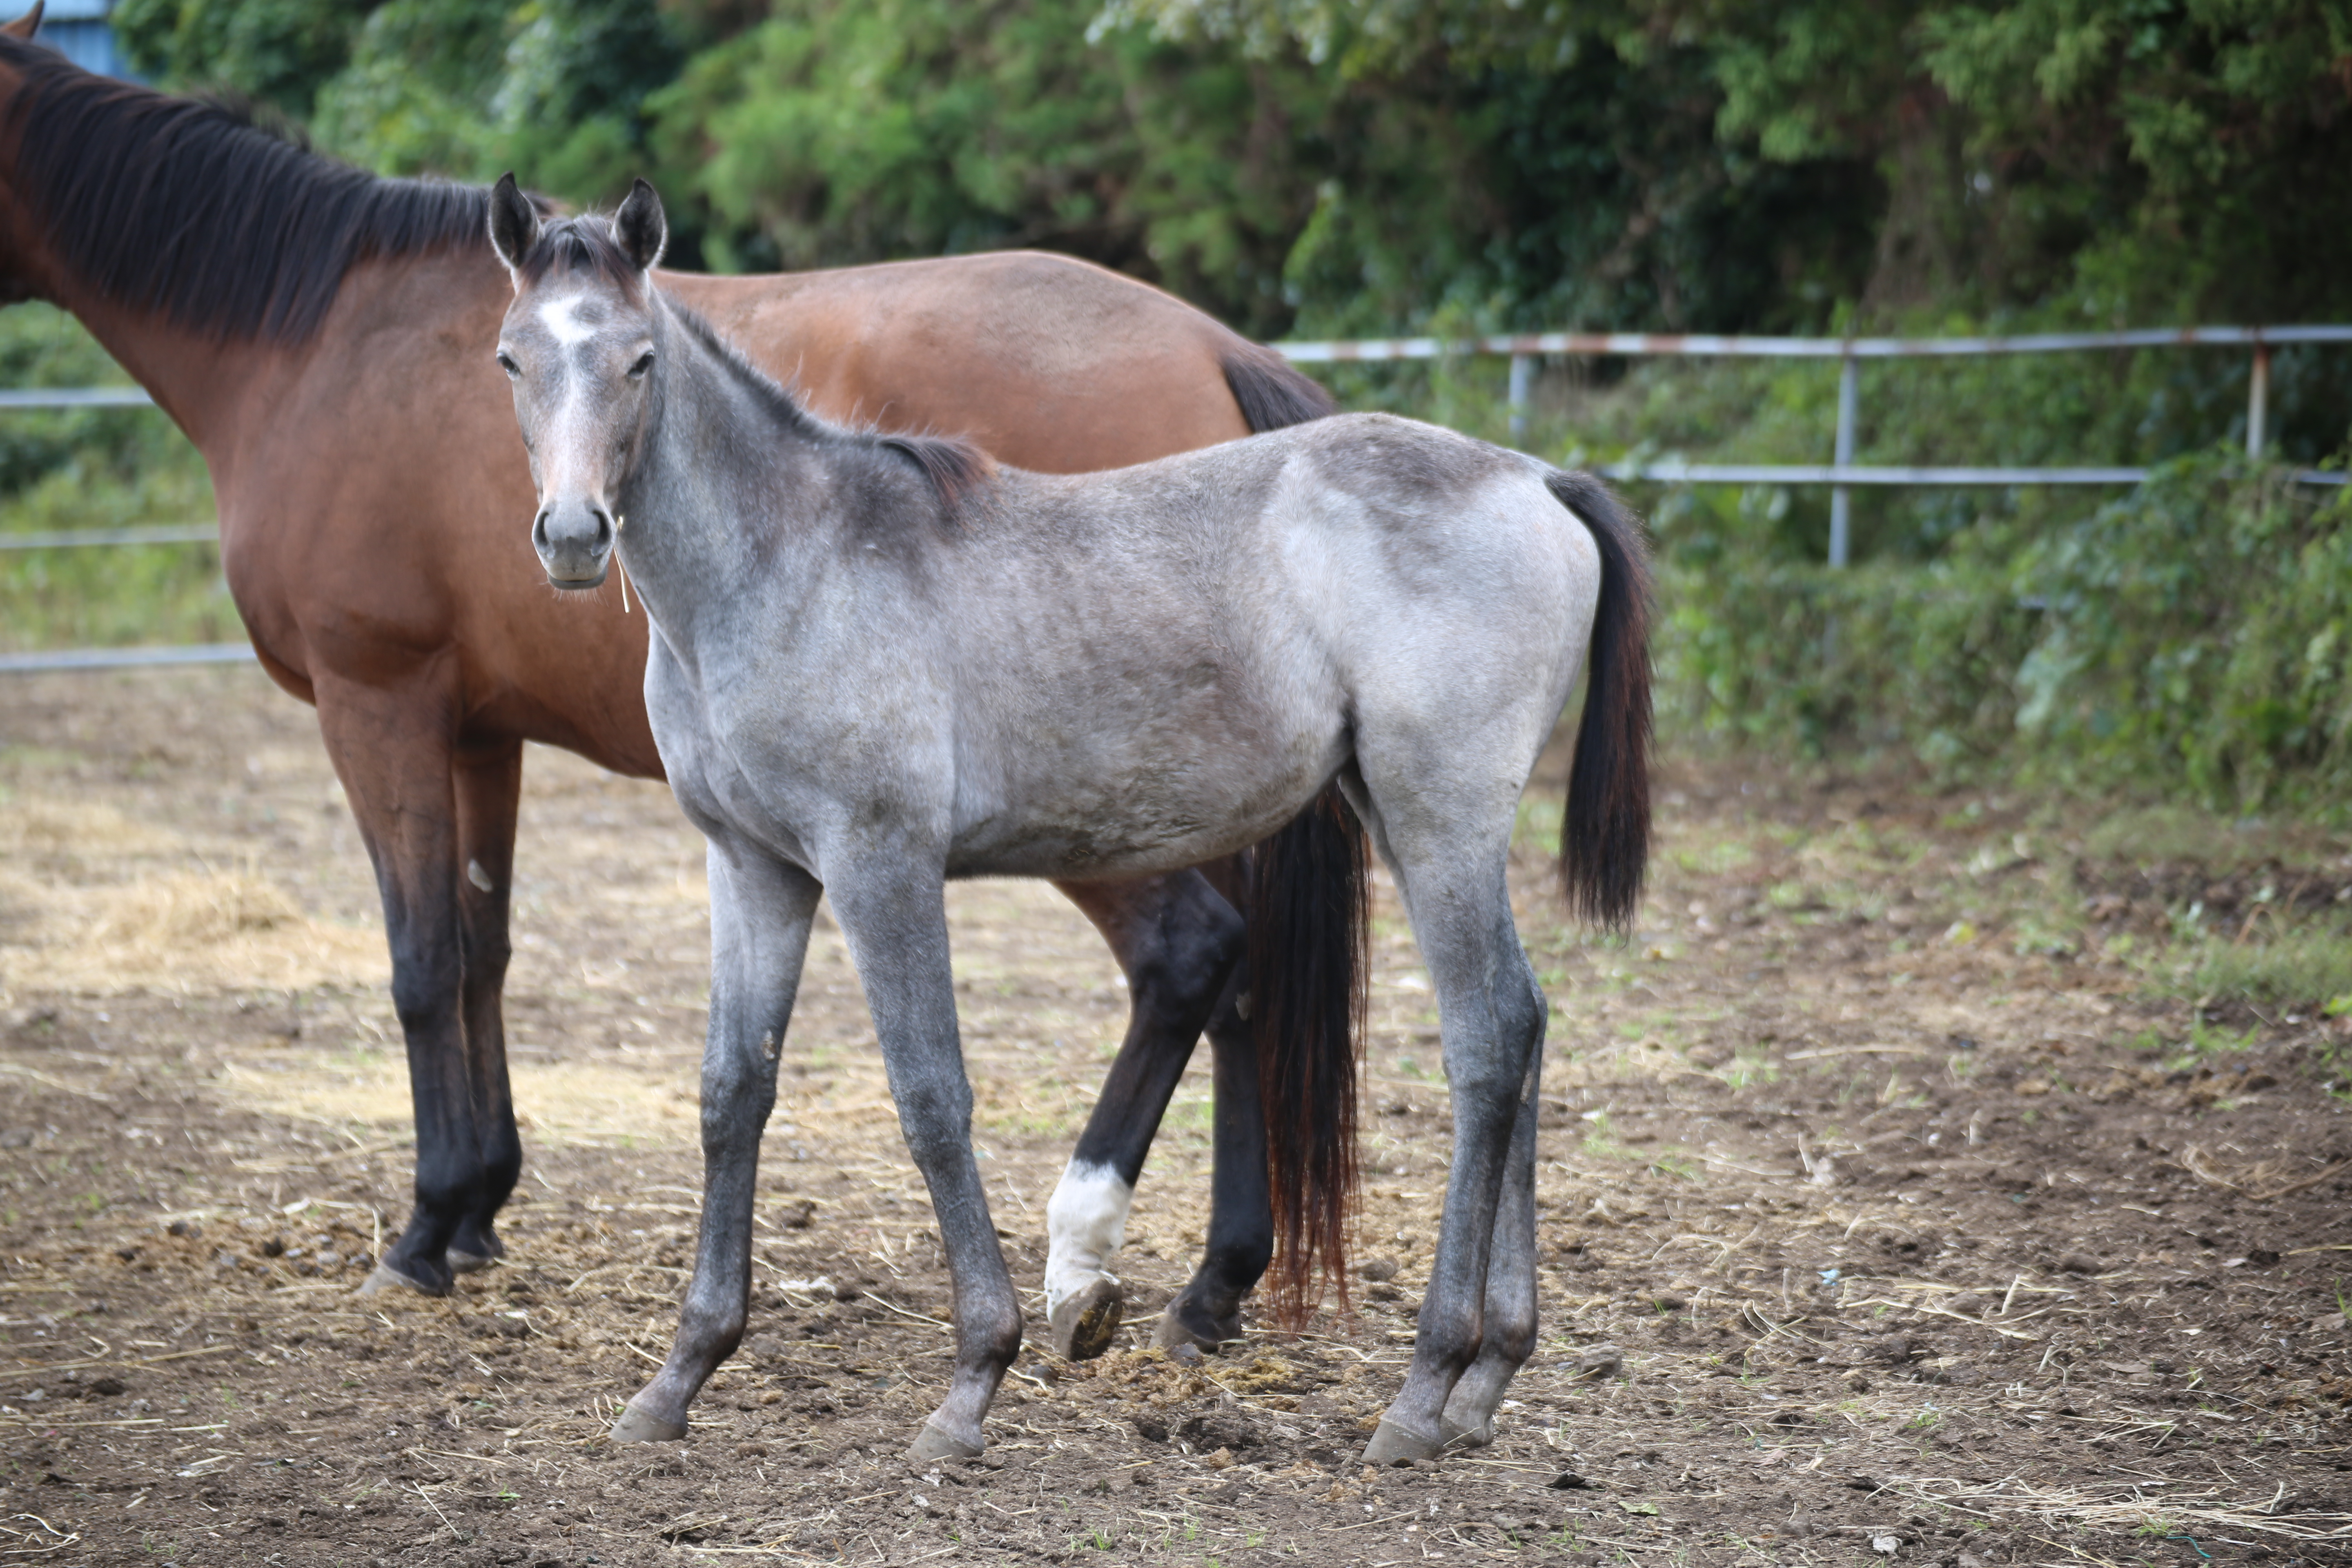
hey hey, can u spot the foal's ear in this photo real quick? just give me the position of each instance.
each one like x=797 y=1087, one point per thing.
x=514 y=222
x=640 y=227
x=26 y=25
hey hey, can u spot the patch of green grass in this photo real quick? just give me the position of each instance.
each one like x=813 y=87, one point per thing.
x=1601 y=1141
x=1750 y=1064
x=2308 y=965
x=1713 y=857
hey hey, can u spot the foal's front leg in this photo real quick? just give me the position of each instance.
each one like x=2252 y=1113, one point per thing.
x=893 y=910
x=759 y=915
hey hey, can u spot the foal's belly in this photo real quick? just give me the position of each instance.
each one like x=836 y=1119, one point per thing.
x=1160 y=809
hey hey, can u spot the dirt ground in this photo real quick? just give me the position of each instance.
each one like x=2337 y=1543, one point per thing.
x=1929 y=1222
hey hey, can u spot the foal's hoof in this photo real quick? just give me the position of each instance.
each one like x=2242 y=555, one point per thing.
x=935 y=1443
x=1084 y=1323
x=636 y=1426
x=467 y=1262
x=385 y=1277
x=1395 y=1445
x=1458 y=1437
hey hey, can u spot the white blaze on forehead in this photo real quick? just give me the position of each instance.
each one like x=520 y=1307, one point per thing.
x=561 y=317
x=1086 y=1223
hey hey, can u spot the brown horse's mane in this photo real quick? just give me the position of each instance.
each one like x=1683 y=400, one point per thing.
x=954 y=469
x=190 y=208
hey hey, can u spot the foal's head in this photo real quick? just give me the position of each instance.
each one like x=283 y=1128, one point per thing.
x=577 y=344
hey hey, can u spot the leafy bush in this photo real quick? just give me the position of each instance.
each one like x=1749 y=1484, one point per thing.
x=2190 y=637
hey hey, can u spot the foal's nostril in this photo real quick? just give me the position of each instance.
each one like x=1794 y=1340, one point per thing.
x=538 y=532
x=604 y=526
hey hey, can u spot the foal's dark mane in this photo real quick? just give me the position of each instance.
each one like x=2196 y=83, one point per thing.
x=189 y=208
x=954 y=469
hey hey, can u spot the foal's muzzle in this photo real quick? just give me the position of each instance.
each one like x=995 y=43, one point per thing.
x=574 y=541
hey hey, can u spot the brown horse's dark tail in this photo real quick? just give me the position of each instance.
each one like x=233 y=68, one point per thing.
x=1309 y=929
x=1307 y=962
x=1272 y=395
x=1604 y=842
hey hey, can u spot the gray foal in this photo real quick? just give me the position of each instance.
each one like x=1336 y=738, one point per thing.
x=878 y=663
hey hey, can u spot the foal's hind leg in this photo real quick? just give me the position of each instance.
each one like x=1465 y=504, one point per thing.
x=1493 y=1023
x=1176 y=940
x=1510 y=1337
x=759 y=915
x=488 y=785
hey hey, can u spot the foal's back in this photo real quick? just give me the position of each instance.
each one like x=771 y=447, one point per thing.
x=1135 y=656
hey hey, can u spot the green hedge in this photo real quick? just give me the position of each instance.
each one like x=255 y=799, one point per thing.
x=2187 y=639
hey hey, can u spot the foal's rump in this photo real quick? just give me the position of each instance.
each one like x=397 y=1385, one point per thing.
x=1455 y=590
x=1161 y=665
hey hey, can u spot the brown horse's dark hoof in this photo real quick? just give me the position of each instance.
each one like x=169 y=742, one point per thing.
x=476 y=1247
x=1202 y=1333
x=387 y=1278
x=1084 y=1324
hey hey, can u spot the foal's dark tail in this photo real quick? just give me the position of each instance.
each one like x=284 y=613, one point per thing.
x=1308 y=924
x=1604 y=843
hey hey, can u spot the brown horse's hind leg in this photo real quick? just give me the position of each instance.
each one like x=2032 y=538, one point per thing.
x=1207 y=1311
x=488 y=785
x=1176 y=940
x=391 y=750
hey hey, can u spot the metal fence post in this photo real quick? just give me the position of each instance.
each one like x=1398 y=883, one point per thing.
x=2257 y=397
x=1522 y=369
x=1841 y=525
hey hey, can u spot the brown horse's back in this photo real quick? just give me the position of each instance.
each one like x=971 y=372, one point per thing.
x=1047 y=362
x=414 y=544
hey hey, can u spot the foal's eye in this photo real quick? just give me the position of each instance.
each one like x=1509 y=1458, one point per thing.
x=507 y=363
x=645 y=362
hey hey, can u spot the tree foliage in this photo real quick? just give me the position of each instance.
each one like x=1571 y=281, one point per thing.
x=1276 y=184
x=1362 y=168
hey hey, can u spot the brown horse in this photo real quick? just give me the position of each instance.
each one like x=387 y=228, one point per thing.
x=326 y=339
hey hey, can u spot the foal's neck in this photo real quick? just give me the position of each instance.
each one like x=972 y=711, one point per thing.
x=725 y=498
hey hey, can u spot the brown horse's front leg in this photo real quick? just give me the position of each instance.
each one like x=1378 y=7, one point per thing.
x=488 y=779
x=391 y=748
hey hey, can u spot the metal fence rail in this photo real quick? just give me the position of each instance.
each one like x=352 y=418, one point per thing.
x=1841 y=473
